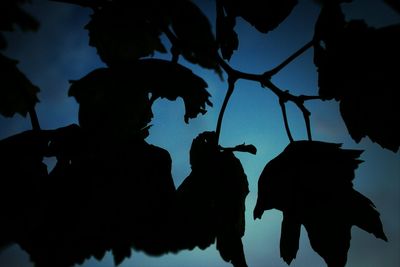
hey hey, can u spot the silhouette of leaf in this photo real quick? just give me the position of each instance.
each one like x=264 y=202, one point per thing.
x=311 y=183
x=211 y=200
x=122 y=32
x=290 y=236
x=170 y=80
x=111 y=98
x=17 y=93
x=107 y=194
x=265 y=16
x=355 y=66
x=112 y=102
x=227 y=38
x=193 y=30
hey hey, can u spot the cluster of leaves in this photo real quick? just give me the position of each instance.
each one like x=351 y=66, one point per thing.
x=91 y=202
x=17 y=93
x=111 y=190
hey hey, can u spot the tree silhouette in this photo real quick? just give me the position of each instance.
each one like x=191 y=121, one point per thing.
x=110 y=190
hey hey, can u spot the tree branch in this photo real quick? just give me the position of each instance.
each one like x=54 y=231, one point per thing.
x=285 y=120
x=284 y=96
x=272 y=72
x=265 y=81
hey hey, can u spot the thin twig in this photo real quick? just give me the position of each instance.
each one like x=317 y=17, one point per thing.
x=265 y=80
x=306 y=115
x=287 y=61
x=285 y=119
x=175 y=54
x=231 y=87
x=34 y=119
x=284 y=96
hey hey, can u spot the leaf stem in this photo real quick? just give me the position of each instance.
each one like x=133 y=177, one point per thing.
x=231 y=87
x=34 y=119
x=285 y=120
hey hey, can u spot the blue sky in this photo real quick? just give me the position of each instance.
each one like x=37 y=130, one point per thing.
x=59 y=52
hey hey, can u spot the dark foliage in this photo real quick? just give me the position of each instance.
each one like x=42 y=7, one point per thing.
x=112 y=191
x=12 y=14
x=212 y=200
x=357 y=66
x=91 y=202
x=311 y=183
x=122 y=32
x=265 y=16
x=17 y=93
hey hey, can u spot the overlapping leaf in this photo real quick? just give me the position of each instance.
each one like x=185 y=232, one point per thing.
x=211 y=201
x=101 y=195
x=311 y=183
x=115 y=97
x=264 y=15
x=112 y=102
x=17 y=93
x=170 y=80
x=227 y=38
x=122 y=32
x=193 y=30
x=357 y=66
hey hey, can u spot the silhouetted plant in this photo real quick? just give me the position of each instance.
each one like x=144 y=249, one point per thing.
x=111 y=190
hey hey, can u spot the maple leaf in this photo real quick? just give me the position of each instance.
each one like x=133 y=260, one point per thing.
x=311 y=183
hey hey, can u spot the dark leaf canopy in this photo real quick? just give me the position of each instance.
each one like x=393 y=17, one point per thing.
x=357 y=66
x=227 y=38
x=17 y=93
x=122 y=31
x=125 y=32
x=212 y=200
x=311 y=183
x=21 y=168
x=97 y=198
x=264 y=15
x=120 y=96
x=196 y=41
x=12 y=14
x=112 y=102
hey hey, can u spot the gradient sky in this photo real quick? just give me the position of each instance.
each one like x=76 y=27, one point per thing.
x=59 y=52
